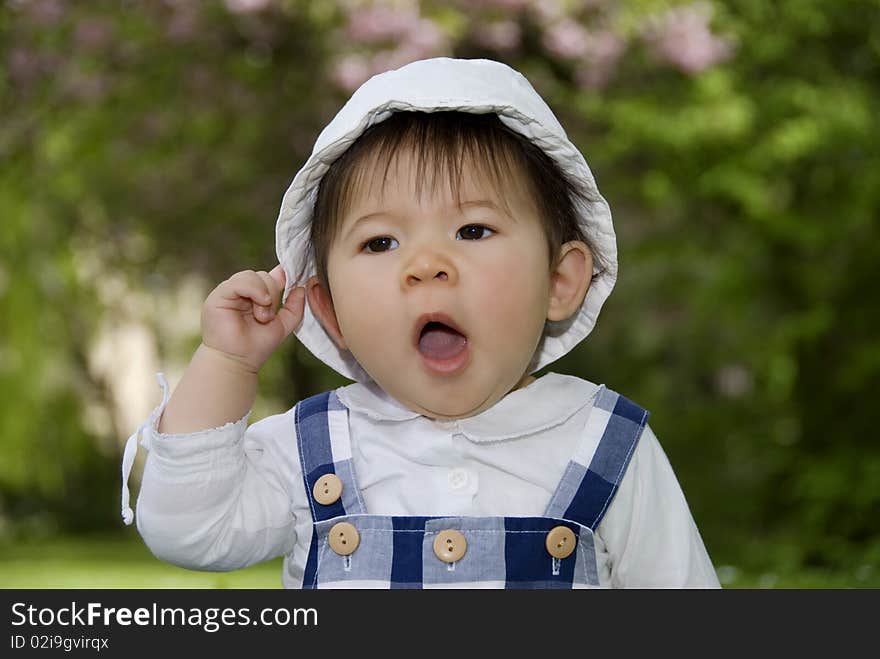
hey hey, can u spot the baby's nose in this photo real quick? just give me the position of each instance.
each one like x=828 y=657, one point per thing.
x=414 y=279
x=429 y=267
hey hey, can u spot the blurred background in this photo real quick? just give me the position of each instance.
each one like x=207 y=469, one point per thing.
x=145 y=148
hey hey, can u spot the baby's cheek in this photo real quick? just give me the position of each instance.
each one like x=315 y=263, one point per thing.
x=516 y=308
x=362 y=309
x=363 y=315
x=514 y=294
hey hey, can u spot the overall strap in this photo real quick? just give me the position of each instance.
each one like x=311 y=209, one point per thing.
x=324 y=447
x=592 y=477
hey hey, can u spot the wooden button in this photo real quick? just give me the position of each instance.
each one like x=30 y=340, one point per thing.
x=328 y=489
x=344 y=538
x=560 y=542
x=449 y=546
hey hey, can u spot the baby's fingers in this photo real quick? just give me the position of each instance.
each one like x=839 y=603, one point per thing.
x=291 y=313
x=246 y=289
x=266 y=312
x=278 y=275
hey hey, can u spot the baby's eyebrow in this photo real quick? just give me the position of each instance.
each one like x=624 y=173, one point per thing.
x=486 y=203
x=363 y=218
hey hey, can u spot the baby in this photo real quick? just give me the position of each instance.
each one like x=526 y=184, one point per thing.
x=450 y=242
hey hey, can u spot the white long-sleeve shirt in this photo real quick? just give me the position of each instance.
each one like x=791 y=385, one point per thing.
x=229 y=497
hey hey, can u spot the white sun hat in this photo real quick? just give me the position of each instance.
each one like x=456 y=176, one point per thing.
x=439 y=84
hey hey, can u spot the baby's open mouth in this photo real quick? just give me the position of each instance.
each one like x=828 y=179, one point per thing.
x=440 y=341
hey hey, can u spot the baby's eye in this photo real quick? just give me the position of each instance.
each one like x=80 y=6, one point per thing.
x=474 y=232
x=380 y=244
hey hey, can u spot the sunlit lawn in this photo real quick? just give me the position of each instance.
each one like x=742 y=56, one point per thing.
x=115 y=561
x=123 y=561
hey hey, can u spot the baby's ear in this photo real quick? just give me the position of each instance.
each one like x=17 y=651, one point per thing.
x=321 y=305
x=570 y=280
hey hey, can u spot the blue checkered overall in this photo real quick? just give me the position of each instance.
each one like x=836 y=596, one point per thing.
x=502 y=552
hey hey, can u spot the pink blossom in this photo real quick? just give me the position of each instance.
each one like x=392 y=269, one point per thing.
x=43 y=12
x=417 y=40
x=604 y=49
x=499 y=35
x=92 y=34
x=566 y=38
x=593 y=75
x=547 y=11
x=388 y=60
x=682 y=37
x=605 y=45
x=510 y=5
x=246 y=6
x=427 y=40
x=425 y=37
x=351 y=71
x=23 y=66
x=378 y=23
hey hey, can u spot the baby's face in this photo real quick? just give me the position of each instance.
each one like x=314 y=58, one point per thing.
x=481 y=276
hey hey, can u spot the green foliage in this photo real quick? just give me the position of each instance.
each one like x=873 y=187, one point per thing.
x=746 y=205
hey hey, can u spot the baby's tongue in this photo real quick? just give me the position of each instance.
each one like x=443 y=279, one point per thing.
x=441 y=342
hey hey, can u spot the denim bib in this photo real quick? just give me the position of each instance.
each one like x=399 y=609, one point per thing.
x=555 y=550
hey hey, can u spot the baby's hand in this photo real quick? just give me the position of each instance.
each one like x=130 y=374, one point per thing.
x=239 y=317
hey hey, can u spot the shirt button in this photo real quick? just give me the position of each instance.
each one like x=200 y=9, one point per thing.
x=560 y=542
x=449 y=546
x=458 y=478
x=328 y=489
x=344 y=538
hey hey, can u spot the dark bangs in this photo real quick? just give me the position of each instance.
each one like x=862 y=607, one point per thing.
x=441 y=143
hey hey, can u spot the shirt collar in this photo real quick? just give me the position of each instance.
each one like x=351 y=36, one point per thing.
x=547 y=402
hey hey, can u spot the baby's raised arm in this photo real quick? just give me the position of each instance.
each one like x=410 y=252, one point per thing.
x=240 y=330
x=208 y=500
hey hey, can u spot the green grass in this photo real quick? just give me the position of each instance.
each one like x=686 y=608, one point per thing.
x=113 y=561
x=123 y=561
